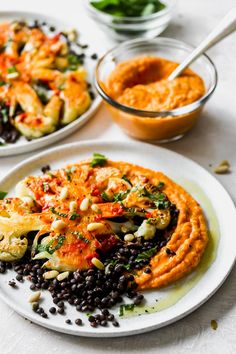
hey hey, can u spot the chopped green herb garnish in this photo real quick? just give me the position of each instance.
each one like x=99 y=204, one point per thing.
x=74 y=216
x=46 y=187
x=48 y=247
x=160 y=185
x=124 y=177
x=159 y=199
x=146 y=254
x=2 y=195
x=98 y=160
x=68 y=175
x=2 y=83
x=105 y=197
x=4 y=114
x=80 y=236
x=151 y=221
x=128 y=8
x=12 y=69
x=120 y=196
x=53 y=210
x=126 y=307
x=74 y=61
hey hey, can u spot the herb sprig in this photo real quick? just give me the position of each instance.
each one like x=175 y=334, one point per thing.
x=48 y=247
x=98 y=160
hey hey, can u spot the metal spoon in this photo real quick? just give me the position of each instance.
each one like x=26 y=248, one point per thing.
x=223 y=29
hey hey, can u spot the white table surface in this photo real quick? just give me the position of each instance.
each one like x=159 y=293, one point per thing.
x=212 y=140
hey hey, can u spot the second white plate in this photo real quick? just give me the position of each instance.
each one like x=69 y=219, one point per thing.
x=22 y=145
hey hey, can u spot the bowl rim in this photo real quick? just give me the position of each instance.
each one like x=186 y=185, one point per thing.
x=165 y=11
x=156 y=114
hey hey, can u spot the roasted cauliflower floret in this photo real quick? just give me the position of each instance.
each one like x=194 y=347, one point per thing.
x=13 y=231
x=76 y=98
x=33 y=127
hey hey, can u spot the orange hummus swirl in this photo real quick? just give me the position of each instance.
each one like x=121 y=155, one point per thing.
x=188 y=241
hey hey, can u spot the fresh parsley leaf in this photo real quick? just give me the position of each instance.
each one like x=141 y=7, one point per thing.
x=2 y=195
x=98 y=160
x=48 y=247
x=12 y=69
x=146 y=255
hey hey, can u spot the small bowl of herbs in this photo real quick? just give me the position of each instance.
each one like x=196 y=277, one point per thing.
x=128 y=19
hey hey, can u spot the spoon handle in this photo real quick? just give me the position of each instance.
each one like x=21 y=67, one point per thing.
x=223 y=29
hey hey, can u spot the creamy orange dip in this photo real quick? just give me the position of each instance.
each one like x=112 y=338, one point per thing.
x=142 y=83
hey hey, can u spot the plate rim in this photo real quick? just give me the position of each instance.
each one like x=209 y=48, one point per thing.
x=117 y=333
x=17 y=149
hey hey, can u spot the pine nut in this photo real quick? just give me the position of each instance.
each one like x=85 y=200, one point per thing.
x=129 y=237
x=222 y=169
x=95 y=208
x=84 y=204
x=58 y=225
x=94 y=226
x=50 y=274
x=35 y=297
x=225 y=163
x=97 y=263
x=64 y=193
x=73 y=207
x=62 y=276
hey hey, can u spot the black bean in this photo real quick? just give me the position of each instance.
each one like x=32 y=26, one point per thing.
x=115 y=324
x=45 y=168
x=61 y=310
x=110 y=317
x=52 y=310
x=104 y=323
x=91 y=318
x=78 y=321
x=68 y=321
x=19 y=277
x=94 y=56
x=147 y=270
x=105 y=312
x=60 y=304
x=44 y=315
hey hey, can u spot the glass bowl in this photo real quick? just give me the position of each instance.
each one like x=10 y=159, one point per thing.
x=158 y=126
x=123 y=28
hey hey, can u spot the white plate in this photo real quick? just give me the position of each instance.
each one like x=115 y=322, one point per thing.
x=22 y=145
x=176 y=301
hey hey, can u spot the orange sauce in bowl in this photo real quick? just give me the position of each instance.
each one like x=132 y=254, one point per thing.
x=142 y=83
